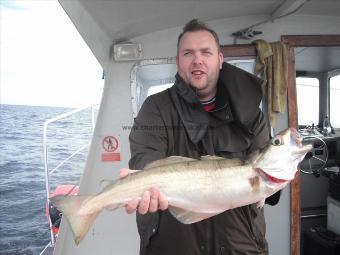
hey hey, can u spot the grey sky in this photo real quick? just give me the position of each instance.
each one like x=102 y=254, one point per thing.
x=44 y=60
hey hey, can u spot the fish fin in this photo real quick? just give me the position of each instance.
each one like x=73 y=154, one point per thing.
x=167 y=161
x=113 y=207
x=260 y=203
x=69 y=206
x=229 y=162
x=106 y=183
x=254 y=157
x=188 y=217
x=211 y=157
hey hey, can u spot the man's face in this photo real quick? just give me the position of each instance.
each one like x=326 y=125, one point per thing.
x=199 y=61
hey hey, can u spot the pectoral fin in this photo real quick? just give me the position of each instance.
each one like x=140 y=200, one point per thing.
x=113 y=207
x=188 y=217
x=260 y=203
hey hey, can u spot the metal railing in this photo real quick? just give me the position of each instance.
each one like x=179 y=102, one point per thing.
x=46 y=167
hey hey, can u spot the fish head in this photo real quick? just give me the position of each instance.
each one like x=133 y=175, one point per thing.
x=280 y=159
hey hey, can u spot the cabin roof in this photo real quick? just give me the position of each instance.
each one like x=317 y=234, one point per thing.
x=104 y=22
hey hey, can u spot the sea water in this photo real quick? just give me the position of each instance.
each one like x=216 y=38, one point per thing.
x=23 y=225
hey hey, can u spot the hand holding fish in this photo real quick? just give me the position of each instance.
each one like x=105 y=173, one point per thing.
x=194 y=189
x=151 y=200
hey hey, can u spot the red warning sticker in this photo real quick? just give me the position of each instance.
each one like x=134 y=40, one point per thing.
x=110 y=156
x=110 y=143
x=110 y=149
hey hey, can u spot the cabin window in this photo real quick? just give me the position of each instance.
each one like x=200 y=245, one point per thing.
x=334 y=100
x=149 y=77
x=158 y=88
x=307 y=90
x=245 y=64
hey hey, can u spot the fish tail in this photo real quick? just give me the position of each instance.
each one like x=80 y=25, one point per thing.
x=69 y=206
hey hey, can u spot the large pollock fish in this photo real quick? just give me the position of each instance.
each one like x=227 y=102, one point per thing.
x=195 y=189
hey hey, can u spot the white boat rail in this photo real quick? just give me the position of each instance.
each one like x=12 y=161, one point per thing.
x=46 y=167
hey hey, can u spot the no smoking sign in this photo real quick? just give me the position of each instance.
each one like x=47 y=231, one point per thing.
x=110 y=145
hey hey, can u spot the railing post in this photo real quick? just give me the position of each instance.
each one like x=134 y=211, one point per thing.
x=47 y=171
x=47 y=181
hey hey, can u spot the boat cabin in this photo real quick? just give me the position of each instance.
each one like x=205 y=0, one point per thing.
x=135 y=43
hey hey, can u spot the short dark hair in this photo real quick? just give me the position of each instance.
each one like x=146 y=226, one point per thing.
x=195 y=25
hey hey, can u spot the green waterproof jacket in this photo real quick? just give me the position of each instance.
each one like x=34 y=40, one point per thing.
x=173 y=122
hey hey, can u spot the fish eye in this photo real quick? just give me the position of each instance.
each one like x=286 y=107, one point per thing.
x=277 y=141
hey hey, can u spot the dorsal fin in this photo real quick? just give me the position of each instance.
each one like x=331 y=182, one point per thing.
x=167 y=161
x=211 y=157
x=231 y=162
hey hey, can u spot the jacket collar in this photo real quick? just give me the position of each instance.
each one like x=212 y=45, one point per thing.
x=244 y=93
x=239 y=92
x=185 y=90
x=190 y=110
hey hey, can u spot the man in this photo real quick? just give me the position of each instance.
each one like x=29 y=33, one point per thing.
x=213 y=108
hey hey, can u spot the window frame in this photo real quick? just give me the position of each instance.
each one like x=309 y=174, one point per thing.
x=313 y=76
x=133 y=78
x=293 y=41
x=330 y=75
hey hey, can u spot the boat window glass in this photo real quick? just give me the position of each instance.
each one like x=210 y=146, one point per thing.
x=158 y=88
x=149 y=77
x=245 y=64
x=307 y=90
x=334 y=100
